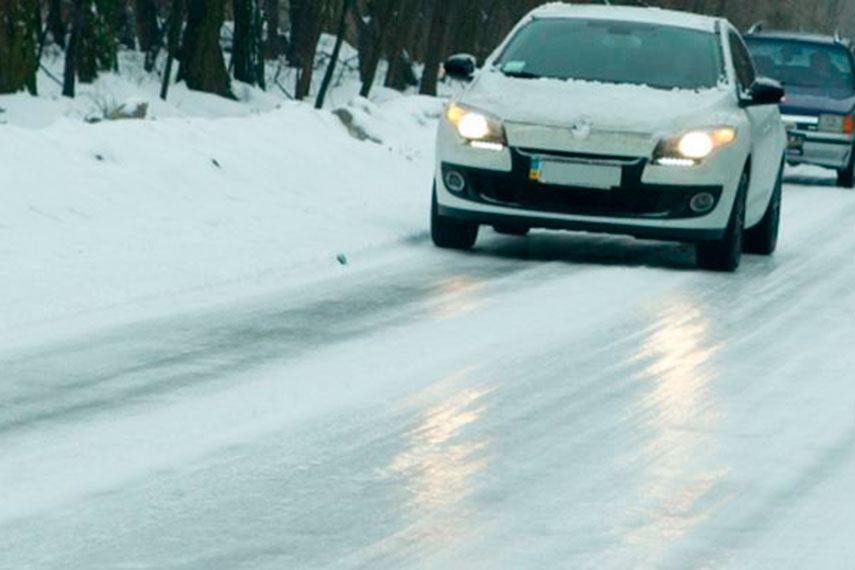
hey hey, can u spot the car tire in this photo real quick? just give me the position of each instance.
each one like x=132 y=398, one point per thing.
x=512 y=230
x=448 y=233
x=846 y=176
x=725 y=255
x=762 y=239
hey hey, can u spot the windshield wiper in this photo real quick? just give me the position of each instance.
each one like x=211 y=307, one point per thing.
x=520 y=74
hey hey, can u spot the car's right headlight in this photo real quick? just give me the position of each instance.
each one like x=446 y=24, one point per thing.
x=836 y=124
x=691 y=148
x=478 y=129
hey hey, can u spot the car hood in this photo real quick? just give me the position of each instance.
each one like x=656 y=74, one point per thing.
x=814 y=101
x=627 y=108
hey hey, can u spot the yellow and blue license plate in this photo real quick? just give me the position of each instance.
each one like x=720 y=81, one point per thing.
x=575 y=174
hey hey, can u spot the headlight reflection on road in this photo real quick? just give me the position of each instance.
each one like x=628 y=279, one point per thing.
x=457 y=296
x=438 y=463
x=437 y=467
x=679 y=489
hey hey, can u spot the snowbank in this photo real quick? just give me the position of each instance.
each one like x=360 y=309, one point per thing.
x=94 y=217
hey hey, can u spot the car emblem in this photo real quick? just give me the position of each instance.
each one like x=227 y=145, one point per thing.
x=582 y=130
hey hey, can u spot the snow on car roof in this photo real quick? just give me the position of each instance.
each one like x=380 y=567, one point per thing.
x=626 y=13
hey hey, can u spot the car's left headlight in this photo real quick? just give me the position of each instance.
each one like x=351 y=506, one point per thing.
x=691 y=148
x=479 y=129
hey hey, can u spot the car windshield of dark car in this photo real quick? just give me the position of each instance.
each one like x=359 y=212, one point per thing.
x=664 y=57
x=824 y=67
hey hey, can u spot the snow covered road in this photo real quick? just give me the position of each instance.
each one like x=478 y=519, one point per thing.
x=561 y=401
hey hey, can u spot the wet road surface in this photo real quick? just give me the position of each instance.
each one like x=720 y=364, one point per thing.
x=559 y=401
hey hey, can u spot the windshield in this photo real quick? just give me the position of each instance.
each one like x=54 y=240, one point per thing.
x=664 y=57
x=804 y=64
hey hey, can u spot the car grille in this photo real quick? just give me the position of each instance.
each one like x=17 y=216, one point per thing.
x=631 y=200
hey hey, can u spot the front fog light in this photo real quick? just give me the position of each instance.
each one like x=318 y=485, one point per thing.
x=702 y=203
x=455 y=181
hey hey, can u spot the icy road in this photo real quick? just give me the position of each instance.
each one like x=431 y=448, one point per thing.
x=561 y=401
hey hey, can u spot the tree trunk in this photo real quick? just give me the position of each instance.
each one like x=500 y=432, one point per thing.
x=123 y=23
x=436 y=45
x=202 y=64
x=71 y=54
x=96 y=42
x=18 y=40
x=106 y=50
x=246 y=48
x=342 y=28
x=148 y=30
x=400 y=74
x=305 y=32
x=272 y=46
x=176 y=22
x=55 y=25
x=365 y=34
x=385 y=26
x=85 y=49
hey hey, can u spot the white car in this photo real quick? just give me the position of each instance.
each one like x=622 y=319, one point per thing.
x=634 y=121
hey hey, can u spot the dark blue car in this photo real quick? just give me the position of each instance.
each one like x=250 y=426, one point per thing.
x=817 y=74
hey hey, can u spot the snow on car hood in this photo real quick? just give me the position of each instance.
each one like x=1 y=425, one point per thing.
x=628 y=108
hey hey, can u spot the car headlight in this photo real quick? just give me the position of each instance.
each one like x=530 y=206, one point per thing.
x=690 y=149
x=478 y=129
x=836 y=124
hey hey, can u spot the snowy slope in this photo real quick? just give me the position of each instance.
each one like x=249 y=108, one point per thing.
x=95 y=216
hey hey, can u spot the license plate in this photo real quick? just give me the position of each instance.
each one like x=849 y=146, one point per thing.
x=579 y=174
x=795 y=143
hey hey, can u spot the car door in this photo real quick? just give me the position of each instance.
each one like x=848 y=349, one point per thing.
x=765 y=126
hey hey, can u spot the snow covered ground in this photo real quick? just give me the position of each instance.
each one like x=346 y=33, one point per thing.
x=560 y=401
x=190 y=379
x=124 y=216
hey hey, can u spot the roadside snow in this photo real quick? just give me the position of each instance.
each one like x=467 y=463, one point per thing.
x=98 y=217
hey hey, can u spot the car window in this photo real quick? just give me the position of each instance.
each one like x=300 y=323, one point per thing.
x=805 y=64
x=664 y=57
x=742 y=63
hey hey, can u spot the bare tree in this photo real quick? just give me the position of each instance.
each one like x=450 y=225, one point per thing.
x=202 y=65
x=70 y=73
x=148 y=30
x=55 y=25
x=18 y=33
x=346 y=7
x=400 y=73
x=173 y=37
x=306 y=20
x=388 y=10
x=247 y=58
x=436 y=45
x=272 y=45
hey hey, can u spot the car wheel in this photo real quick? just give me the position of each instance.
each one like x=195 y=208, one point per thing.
x=448 y=233
x=726 y=254
x=846 y=176
x=512 y=230
x=763 y=238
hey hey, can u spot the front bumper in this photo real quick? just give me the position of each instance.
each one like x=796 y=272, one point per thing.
x=651 y=201
x=821 y=149
x=495 y=218
x=632 y=199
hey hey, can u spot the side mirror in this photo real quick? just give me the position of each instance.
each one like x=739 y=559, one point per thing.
x=461 y=66
x=765 y=91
